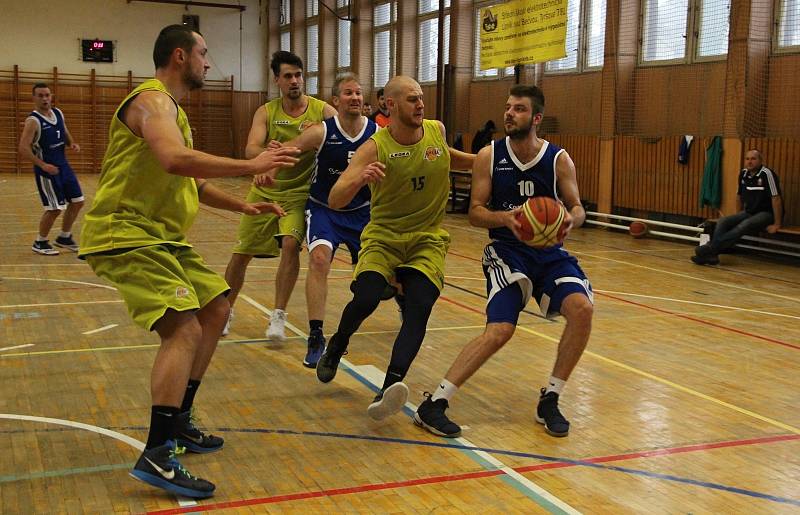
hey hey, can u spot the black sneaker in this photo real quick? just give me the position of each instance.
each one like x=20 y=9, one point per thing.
x=316 y=345
x=67 y=243
x=44 y=248
x=388 y=402
x=547 y=413
x=705 y=260
x=328 y=363
x=430 y=415
x=160 y=467
x=192 y=438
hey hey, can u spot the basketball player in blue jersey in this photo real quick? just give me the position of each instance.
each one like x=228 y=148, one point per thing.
x=44 y=139
x=504 y=176
x=335 y=141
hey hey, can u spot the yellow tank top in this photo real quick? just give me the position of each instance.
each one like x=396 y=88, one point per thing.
x=412 y=196
x=292 y=183
x=137 y=202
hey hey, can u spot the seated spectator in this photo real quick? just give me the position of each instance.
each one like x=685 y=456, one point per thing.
x=760 y=194
x=484 y=136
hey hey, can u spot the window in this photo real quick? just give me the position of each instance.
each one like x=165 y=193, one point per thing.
x=384 y=42
x=312 y=58
x=286 y=41
x=343 y=44
x=670 y=34
x=491 y=73
x=788 y=23
x=312 y=8
x=428 y=43
x=285 y=18
x=342 y=3
x=585 y=37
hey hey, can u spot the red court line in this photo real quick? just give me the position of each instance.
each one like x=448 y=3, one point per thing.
x=474 y=475
x=704 y=322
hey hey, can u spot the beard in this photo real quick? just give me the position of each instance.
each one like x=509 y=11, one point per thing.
x=520 y=132
x=294 y=94
x=192 y=80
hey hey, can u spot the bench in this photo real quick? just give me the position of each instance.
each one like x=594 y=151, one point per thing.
x=785 y=241
x=460 y=189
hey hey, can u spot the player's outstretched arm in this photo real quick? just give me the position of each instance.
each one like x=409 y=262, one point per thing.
x=479 y=213
x=363 y=169
x=152 y=115
x=310 y=139
x=257 y=137
x=212 y=196
x=25 y=147
x=567 y=181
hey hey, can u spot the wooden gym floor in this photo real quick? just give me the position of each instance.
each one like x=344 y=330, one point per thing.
x=686 y=400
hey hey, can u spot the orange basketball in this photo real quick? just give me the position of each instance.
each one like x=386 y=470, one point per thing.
x=541 y=219
x=638 y=229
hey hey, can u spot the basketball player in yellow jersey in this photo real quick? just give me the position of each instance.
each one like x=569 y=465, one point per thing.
x=134 y=236
x=268 y=235
x=407 y=167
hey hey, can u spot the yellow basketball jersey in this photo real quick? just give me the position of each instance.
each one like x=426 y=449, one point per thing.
x=292 y=183
x=137 y=202
x=413 y=195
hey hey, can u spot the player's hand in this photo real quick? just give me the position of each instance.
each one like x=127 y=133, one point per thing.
x=257 y=208
x=274 y=144
x=512 y=223
x=772 y=229
x=275 y=158
x=265 y=179
x=51 y=169
x=566 y=226
x=373 y=172
x=75 y=147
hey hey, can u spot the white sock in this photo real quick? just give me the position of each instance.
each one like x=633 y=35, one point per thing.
x=555 y=385
x=65 y=234
x=445 y=390
x=39 y=237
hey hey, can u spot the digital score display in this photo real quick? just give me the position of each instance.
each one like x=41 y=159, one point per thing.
x=97 y=50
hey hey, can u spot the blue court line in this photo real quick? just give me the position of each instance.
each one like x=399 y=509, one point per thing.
x=421 y=443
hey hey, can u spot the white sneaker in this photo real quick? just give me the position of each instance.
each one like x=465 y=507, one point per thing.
x=389 y=402
x=227 y=328
x=277 y=326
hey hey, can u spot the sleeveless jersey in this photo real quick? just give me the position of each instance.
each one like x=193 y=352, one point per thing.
x=51 y=138
x=333 y=157
x=514 y=182
x=412 y=196
x=137 y=202
x=291 y=183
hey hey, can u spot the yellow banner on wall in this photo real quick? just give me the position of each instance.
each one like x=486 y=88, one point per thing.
x=523 y=32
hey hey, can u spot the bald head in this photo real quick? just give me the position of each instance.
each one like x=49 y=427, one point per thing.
x=398 y=86
x=753 y=161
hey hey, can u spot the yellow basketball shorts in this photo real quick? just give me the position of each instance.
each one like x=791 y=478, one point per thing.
x=156 y=278
x=259 y=235
x=384 y=252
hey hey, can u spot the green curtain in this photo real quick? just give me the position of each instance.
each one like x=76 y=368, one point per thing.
x=711 y=187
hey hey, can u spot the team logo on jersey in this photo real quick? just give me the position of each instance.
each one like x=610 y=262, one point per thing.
x=306 y=124
x=181 y=292
x=432 y=153
x=503 y=161
x=760 y=181
x=333 y=137
x=395 y=155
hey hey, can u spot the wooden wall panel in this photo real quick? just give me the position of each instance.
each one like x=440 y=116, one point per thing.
x=783 y=102
x=572 y=100
x=244 y=107
x=648 y=177
x=585 y=153
x=783 y=156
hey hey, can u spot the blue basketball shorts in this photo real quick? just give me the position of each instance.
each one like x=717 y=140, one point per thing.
x=59 y=189
x=548 y=275
x=326 y=226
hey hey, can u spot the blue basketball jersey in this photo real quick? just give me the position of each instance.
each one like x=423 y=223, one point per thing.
x=333 y=157
x=514 y=182
x=51 y=139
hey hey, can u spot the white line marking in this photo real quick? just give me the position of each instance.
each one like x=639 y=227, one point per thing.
x=60 y=303
x=60 y=281
x=376 y=378
x=17 y=347
x=734 y=308
x=101 y=329
x=136 y=444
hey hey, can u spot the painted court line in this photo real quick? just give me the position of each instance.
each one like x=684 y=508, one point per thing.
x=60 y=281
x=521 y=483
x=17 y=347
x=101 y=329
x=60 y=304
